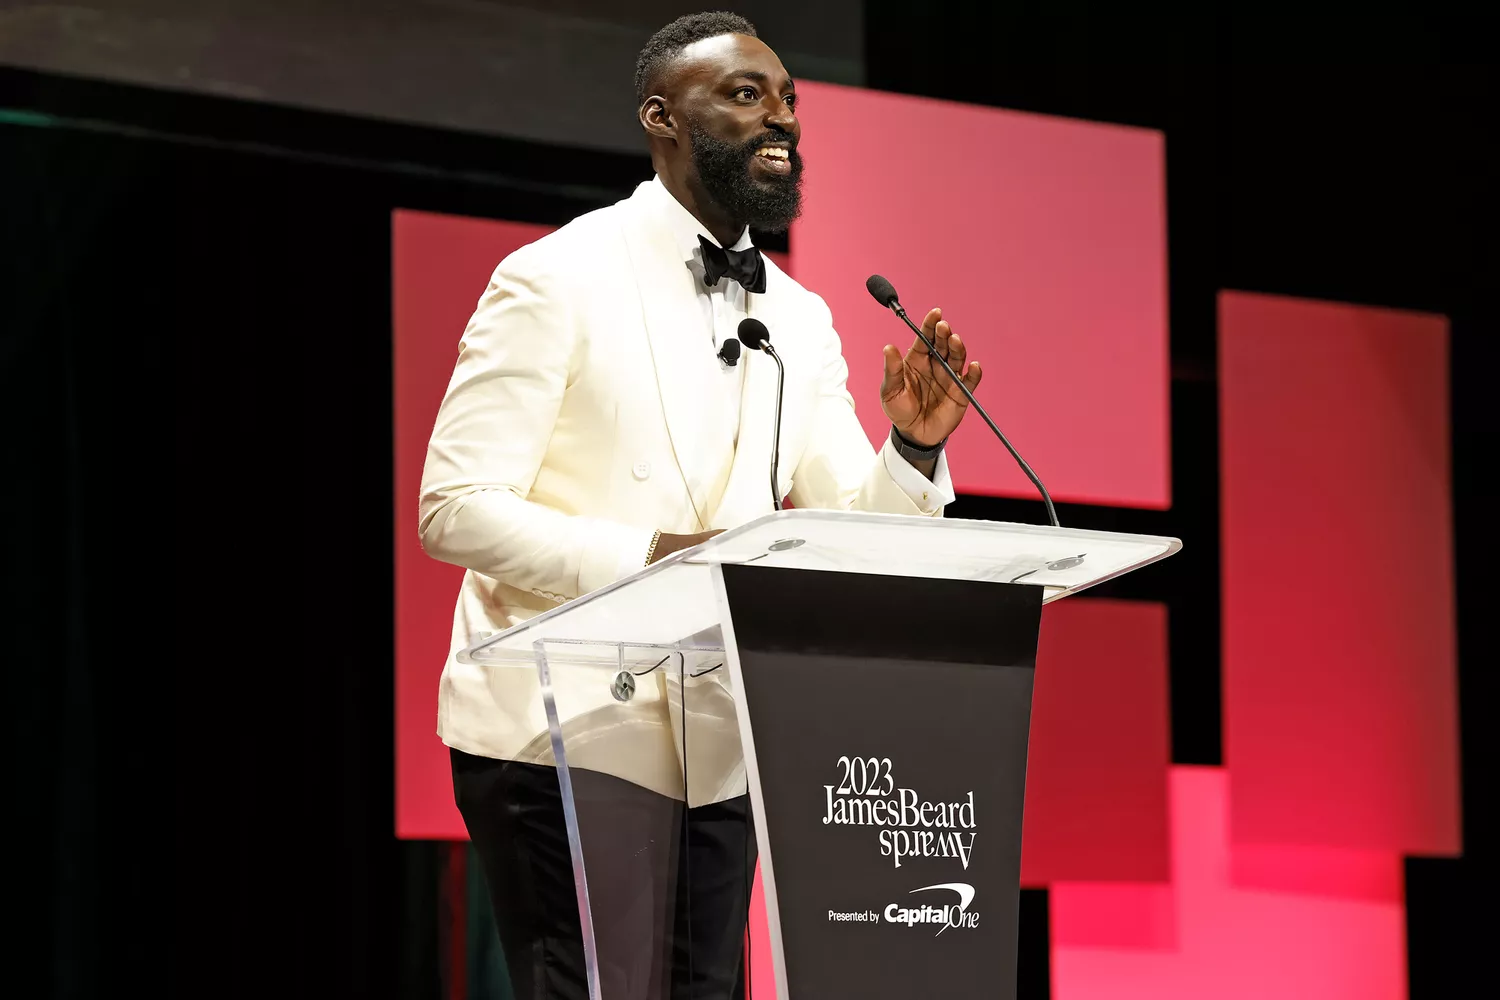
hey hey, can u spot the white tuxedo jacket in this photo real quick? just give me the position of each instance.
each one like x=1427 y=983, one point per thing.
x=559 y=446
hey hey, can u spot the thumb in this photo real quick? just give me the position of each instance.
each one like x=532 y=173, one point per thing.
x=892 y=364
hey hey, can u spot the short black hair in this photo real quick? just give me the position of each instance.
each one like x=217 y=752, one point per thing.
x=687 y=29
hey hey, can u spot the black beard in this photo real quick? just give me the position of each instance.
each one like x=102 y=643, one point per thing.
x=769 y=204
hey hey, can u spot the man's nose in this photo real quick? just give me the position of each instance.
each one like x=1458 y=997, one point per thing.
x=782 y=118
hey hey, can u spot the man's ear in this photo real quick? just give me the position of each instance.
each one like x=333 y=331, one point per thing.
x=657 y=119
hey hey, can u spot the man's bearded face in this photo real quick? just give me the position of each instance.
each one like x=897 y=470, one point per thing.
x=765 y=196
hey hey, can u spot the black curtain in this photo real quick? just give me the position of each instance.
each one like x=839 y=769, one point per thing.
x=195 y=388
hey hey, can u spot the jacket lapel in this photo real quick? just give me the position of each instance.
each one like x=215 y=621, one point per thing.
x=673 y=319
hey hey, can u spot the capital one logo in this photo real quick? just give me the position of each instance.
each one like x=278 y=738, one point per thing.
x=944 y=916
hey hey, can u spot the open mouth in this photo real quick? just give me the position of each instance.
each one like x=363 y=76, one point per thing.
x=774 y=159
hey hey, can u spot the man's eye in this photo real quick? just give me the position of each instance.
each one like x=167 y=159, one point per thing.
x=791 y=100
x=748 y=93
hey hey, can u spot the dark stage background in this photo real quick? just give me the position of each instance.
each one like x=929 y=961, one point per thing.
x=195 y=388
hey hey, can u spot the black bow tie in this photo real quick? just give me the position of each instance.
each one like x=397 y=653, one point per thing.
x=745 y=266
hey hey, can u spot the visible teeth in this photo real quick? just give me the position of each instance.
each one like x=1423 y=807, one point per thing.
x=775 y=151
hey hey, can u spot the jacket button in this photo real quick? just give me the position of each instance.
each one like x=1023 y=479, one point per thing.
x=641 y=470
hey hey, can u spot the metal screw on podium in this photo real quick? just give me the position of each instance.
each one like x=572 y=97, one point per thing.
x=786 y=543
x=623 y=687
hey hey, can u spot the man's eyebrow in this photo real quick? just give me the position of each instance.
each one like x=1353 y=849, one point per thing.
x=759 y=77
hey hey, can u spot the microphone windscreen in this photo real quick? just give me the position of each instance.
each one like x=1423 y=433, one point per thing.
x=753 y=334
x=883 y=291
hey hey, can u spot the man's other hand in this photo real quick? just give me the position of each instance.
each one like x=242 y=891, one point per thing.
x=668 y=544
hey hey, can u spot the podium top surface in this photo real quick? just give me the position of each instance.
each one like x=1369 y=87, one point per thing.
x=669 y=602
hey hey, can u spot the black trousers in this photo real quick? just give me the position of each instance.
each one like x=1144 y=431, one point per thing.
x=668 y=886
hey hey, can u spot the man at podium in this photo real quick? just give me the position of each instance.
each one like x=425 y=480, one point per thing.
x=596 y=421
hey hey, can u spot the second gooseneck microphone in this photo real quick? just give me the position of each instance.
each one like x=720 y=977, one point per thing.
x=885 y=293
x=754 y=335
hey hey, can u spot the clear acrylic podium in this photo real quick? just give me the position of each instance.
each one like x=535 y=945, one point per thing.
x=864 y=681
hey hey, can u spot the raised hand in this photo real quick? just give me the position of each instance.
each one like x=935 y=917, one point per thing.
x=918 y=396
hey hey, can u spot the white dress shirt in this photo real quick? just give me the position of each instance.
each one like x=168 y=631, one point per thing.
x=725 y=304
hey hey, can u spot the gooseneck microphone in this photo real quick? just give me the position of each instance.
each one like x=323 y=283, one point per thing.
x=754 y=335
x=729 y=352
x=885 y=293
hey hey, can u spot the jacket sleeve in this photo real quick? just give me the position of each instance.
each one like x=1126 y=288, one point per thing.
x=839 y=469
x=515 y=361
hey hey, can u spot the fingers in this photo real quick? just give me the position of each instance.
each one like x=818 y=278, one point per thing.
x=939 y=331
x=957 y=353
x=950 y=349
x=930 y=331
x=972 y=376
x=929 y=325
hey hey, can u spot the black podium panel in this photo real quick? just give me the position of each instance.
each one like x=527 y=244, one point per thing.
x=889 y=722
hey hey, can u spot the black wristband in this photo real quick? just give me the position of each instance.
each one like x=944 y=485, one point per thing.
x=914 y=452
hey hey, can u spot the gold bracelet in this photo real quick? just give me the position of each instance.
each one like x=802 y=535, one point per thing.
x=652 y=550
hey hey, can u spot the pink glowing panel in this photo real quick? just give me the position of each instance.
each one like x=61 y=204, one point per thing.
x=1042 y=238
x=1096 y=779
x=1114 y=915
x=1340 y=717
x=1231 y=943
x=440 y=266
x=762 y=968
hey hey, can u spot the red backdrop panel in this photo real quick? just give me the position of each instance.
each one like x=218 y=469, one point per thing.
x=440 y=266
x=1217 y=939
x=1042 y=238
x=1096 y=775
x=1340 y=721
